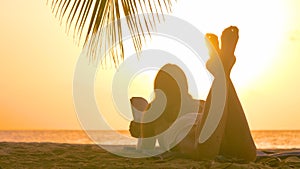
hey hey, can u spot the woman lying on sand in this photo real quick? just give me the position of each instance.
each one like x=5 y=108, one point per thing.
x=231 y=138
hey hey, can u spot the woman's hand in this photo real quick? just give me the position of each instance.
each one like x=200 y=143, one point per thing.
x=135 y=129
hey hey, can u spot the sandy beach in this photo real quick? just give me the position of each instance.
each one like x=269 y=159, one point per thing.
x=54 y=155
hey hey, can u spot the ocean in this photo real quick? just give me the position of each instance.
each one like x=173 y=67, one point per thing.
x=263 y=139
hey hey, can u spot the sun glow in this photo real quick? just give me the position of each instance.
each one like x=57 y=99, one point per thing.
x=261 y=25
x=260 y=39
x=38 y=60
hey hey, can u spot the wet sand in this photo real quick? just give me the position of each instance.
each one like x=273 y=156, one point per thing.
x=53 y=155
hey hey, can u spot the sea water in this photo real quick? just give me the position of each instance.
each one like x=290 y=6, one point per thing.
x=263 y=139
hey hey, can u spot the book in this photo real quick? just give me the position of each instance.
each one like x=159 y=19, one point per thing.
x=138 y=106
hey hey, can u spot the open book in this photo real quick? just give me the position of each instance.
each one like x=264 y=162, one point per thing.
x=138 y=106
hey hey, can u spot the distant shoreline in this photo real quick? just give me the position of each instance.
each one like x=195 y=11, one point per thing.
x=263 y=139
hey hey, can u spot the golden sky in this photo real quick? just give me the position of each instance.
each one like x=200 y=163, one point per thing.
x=38 y=61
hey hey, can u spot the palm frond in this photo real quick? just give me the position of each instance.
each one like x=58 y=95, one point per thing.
x=97 y=14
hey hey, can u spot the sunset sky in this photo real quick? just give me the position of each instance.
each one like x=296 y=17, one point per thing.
x=38 y=60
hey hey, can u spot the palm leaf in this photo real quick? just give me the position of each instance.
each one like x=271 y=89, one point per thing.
x=93 y=15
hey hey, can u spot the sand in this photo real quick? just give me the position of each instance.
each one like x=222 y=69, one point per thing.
x=53 y=155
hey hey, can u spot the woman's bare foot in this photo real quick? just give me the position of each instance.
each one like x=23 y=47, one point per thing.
x=213 y=65
x=229 y=40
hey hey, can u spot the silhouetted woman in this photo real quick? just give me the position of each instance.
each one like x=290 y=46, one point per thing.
x=232 y=137
x=171 y=101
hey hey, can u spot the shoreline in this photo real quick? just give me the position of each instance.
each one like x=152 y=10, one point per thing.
x=65 y=155
x=262 y=139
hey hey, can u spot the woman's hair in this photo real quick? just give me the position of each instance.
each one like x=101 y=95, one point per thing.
x=172 y=81
x=171 y=78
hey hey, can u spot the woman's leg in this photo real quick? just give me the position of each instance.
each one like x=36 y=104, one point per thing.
x=232 y=136
x=237 y=140
x=209 y=149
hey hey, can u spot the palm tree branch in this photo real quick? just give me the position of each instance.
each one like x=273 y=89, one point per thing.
x=91 y=16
